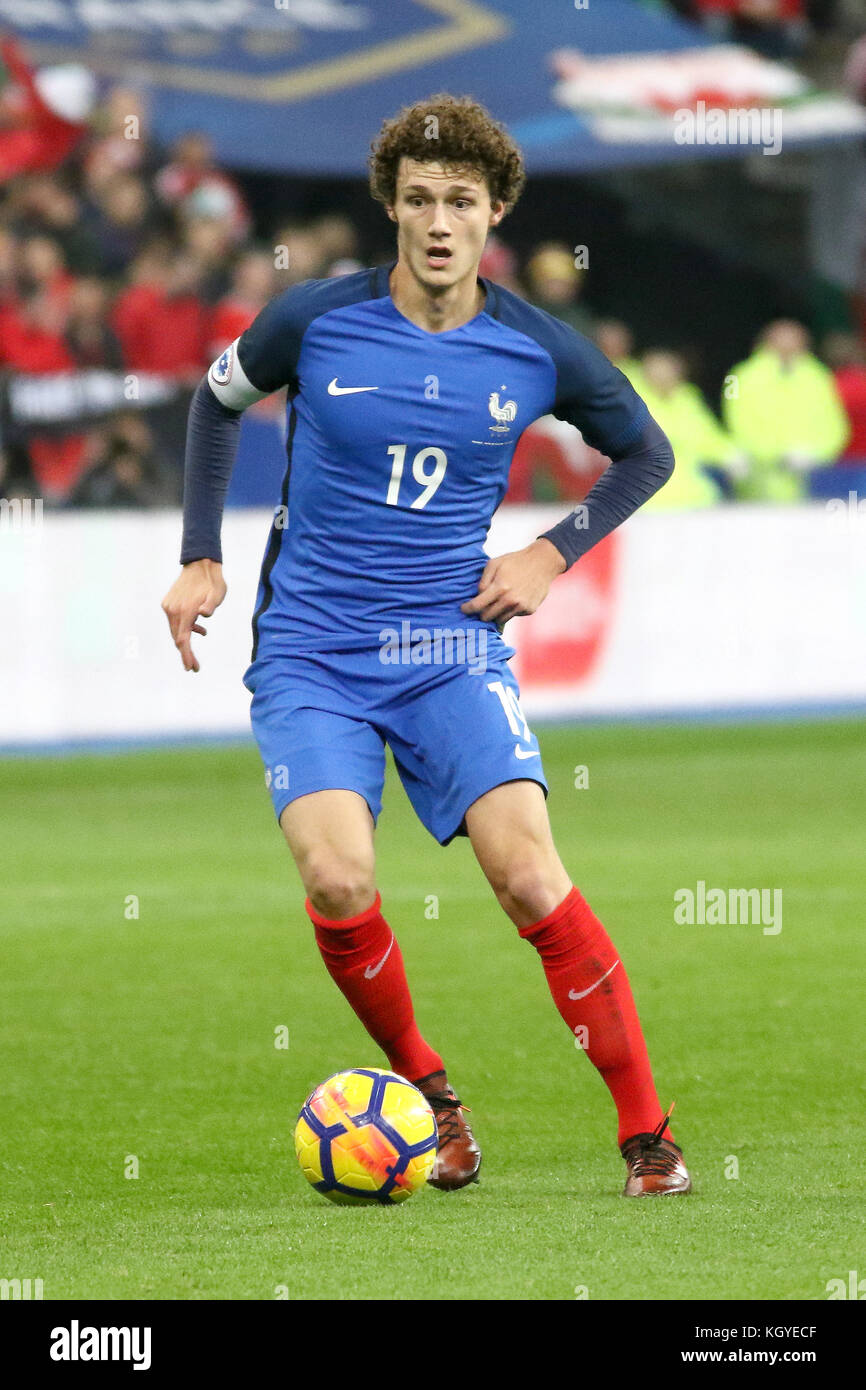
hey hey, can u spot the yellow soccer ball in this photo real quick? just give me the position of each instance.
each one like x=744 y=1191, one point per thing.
x=366 y=1135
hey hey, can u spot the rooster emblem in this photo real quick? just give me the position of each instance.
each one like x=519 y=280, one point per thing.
x=502 y=414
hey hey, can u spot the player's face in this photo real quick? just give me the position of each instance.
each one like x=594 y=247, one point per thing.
x=443 y=218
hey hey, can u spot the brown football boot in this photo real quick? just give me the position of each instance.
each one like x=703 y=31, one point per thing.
x=459 y=1157
x=655 y=1165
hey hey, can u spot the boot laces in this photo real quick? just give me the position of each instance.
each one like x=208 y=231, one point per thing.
x=447 y=1109
x=650 y=1153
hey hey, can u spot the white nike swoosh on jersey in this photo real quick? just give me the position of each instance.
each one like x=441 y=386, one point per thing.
x=374 y=969
x=335 y=390
x=582 y=993
x=524 y=752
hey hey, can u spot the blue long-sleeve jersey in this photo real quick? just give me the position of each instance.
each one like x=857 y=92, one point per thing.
x=399 y=448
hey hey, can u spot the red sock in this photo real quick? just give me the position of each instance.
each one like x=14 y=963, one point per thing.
x=579 y=959
x=365 y=962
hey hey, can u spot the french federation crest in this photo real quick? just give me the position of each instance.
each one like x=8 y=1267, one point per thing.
x=502 y=414
x=221 y=371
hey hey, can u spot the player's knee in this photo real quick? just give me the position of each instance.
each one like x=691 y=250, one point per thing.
x=338 y=885
x=529 y=890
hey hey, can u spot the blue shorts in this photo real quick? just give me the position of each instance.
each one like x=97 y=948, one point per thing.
x=322 y=721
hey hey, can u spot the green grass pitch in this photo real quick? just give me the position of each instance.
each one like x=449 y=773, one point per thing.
x=152 y=1037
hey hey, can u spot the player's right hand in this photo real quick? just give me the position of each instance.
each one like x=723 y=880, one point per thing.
x=196 y=593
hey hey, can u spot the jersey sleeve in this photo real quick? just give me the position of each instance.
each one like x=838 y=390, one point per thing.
x=260 y=361
x=265 y=357
x=638 y=471
x=268 y=351
x=588 y=391
x=211 y=444
x=593 y=394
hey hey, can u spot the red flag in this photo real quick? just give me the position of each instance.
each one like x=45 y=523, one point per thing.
x=32 y=136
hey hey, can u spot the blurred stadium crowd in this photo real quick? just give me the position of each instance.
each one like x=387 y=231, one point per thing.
x=121 y=257
x=776 y=28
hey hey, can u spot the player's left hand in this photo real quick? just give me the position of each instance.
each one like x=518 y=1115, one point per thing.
x=513 y=585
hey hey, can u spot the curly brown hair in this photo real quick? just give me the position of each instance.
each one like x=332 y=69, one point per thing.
x=456 y=132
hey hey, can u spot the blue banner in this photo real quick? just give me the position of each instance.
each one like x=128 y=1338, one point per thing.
x=302 y=86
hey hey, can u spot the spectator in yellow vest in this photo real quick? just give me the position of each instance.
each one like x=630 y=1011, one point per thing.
x=616 y=341
x=697 y=437
x=783 y=408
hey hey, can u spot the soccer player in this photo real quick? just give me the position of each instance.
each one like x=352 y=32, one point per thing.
x=379 y=615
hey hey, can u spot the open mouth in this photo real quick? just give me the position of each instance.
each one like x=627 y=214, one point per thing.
x=438 y=256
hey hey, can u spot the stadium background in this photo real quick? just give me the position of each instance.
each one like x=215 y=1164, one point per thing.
x=158 y=183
